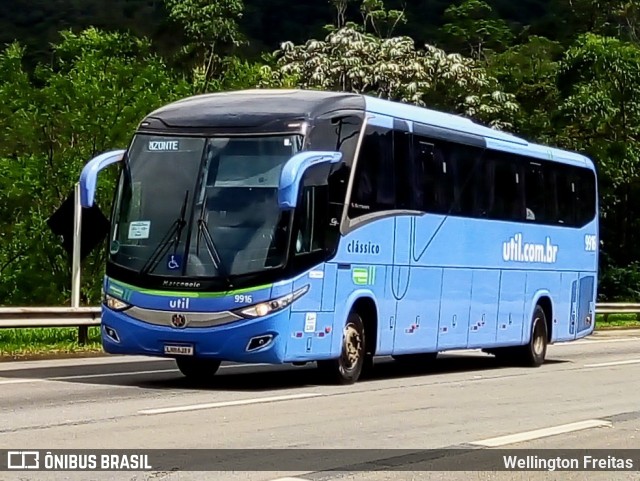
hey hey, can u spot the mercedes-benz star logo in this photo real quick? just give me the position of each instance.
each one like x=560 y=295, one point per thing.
x=178 y=321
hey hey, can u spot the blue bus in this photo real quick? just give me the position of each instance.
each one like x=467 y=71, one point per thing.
x=294 y=226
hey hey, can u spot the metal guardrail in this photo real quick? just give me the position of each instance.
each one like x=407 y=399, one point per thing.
x=25 y=317
x=617 y=307
x=85 y=317
x=608 y=308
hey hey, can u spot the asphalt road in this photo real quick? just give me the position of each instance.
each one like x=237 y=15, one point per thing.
x=585 y=396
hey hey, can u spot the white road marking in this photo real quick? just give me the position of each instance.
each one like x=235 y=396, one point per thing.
x=83 y=376
x=614 y=363
x=290 y=479
x=20 y=381
x=240 y=402
x=541 y=433
x=110 y=374
x=584 y=342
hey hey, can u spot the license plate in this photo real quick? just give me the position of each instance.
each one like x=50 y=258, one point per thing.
x=179 y=350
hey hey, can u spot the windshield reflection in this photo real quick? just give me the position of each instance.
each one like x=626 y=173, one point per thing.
x=235 y=224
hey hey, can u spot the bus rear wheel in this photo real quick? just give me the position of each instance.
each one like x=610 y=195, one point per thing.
x=534 y=352
x=349 y=366
x=198 y=369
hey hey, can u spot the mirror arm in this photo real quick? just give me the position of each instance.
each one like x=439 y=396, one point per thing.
x=89 y=175
x=294 y=170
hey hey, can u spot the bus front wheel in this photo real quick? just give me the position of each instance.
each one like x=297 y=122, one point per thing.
x=348 y=367
x=198 y=369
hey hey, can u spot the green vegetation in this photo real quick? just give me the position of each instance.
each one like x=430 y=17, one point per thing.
x=76 y=76
x=29 y=343
x=617 y=321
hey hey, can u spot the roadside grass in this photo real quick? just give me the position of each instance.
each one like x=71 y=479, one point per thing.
x=46 y=342
x=43 y=343
x=617 y=321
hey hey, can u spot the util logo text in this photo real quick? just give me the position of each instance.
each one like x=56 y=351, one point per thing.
x=515 y=250
x=182 y=303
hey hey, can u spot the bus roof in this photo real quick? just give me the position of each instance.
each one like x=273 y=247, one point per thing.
x=264 y=107
x=252 y=108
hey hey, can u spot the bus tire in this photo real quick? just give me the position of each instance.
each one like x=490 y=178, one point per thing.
x=198 y=369
x=349 y=366
x=534 y=352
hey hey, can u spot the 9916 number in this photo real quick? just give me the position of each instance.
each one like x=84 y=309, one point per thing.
x=243 y=298
x=590 y=243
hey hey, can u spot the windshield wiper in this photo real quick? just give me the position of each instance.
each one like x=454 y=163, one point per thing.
x=203 y=230
x=171 y=237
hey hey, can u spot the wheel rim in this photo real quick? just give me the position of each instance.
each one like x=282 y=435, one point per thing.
x=538 y=342
x=352 y=347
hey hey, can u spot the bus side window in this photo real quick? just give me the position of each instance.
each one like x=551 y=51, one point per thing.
x=508 y=195
x=484 y=191
x=535 y=193
x=337 y=131
x=436 y=176
x=551 y=188
x=565 y=193
x=311 y=225
x=468 y=175
x=374 y=181
x=423 y=153
x=585 y=209
x=409 y=193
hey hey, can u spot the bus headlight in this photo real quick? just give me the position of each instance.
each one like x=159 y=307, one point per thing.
x=115 y=304
x=275 y=305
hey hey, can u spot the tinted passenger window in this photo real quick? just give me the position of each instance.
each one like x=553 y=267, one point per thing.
x=435 y=172
x=563 y=188
x=541 y=192
x=467 y=176
x=398 y=170
x=448 y=176
x=535 y=193
x=374 y=182
x=337 y=132
x=408 y=189
x=506 y=197
x=313 y=224
x=585 y=197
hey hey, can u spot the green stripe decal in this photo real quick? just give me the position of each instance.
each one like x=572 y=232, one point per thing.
x=117 y=285
x=116 y=290
x=363 y=276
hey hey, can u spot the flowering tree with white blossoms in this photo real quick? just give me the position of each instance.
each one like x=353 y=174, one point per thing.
x=351 y=59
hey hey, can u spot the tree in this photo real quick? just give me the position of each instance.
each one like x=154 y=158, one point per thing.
x=210 y=26
x=530 y=71
x=614 y=18
x=600 y=115
x=352 y=60
x=382 y=21
x=601 y=103
x=473 y=24
x=341 y=11
x=87 y=101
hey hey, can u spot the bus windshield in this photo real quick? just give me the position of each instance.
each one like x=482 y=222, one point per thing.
x=202 y=207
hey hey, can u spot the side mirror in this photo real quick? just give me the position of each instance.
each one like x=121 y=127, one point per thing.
x=89 y=175
x=294 y=170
